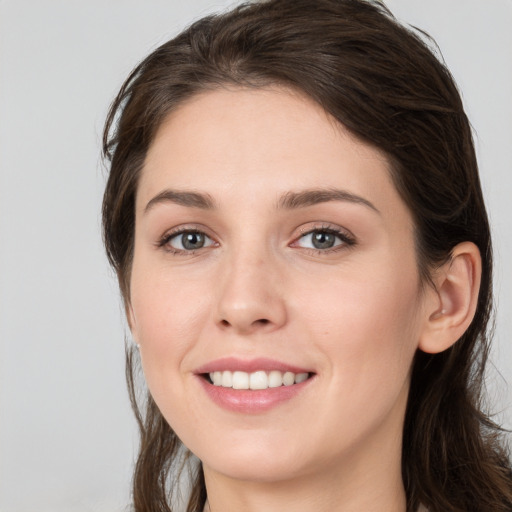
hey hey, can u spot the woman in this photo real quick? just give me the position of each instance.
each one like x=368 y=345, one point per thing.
x=295 y=217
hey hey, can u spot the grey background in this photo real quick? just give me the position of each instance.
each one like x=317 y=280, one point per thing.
x=67 y=437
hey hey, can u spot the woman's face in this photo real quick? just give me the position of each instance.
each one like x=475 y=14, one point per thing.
x=272 y=243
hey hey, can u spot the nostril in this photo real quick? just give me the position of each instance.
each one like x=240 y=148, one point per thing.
x=260 y=322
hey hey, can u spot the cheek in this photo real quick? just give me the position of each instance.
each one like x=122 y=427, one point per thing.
x=169 y=318
x=368 y=328
x=366 y=331
x=169 y=314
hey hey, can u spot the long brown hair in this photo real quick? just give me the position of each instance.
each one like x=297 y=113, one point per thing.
x=381 y=81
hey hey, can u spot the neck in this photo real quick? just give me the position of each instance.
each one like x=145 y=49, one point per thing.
x=306 y=497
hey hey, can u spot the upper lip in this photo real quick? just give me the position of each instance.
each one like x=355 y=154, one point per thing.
x=249 y=365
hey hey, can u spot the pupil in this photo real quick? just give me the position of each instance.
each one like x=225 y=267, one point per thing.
x=193 y=240
x=322 y=240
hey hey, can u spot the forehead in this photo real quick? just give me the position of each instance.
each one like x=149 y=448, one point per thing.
x=260 y=143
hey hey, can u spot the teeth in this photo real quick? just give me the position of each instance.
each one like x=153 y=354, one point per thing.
x=256 y=380
x=301 y=377
x=240 y=380
x=275 y=379
x=226 y=380
x=288 y=378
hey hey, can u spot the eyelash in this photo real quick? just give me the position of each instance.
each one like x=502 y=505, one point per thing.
x=164 y=242
x=347 y=240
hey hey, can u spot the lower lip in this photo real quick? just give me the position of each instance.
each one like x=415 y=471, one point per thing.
x=248 y=401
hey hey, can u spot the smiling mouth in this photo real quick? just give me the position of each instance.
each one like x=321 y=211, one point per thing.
x=255 y=380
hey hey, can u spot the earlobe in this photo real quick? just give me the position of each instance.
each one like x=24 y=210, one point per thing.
x=130 y=318
x=132 y=324
x=452 y=304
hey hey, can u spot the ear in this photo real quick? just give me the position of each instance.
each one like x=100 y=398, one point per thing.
x=451 y=305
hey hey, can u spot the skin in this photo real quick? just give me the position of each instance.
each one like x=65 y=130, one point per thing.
x=354 y=314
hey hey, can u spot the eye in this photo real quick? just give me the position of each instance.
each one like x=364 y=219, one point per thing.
x=188 y=240
x=323 y=239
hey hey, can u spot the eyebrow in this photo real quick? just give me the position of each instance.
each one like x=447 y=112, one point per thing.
x=311 y=197
x=289 y=201
x=183 y=198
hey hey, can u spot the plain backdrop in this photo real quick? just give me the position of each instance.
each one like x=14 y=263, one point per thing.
x=67 y=437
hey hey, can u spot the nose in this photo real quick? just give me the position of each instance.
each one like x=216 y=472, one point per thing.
x=251 y=295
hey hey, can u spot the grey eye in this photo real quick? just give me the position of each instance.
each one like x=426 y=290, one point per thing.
x=320 y=239
x=190 y=240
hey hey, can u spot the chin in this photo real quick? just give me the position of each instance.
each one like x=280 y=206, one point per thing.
x=263 y=468
x=251 y=457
